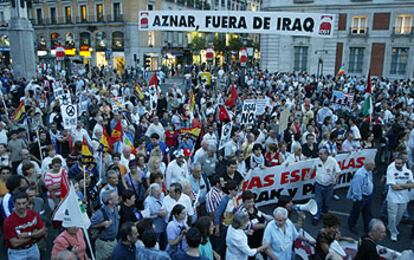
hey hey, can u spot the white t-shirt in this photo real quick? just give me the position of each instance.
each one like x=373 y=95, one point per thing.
x=168 y=204
x=175 y=173
x=326 y=172
x=395 y=176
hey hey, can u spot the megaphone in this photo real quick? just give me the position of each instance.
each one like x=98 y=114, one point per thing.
x=311 y=206
x=336 y=248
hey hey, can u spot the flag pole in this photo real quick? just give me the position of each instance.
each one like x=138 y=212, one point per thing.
x=101 y=164
x=38 y=143
x=88 y=241
x=84 y=182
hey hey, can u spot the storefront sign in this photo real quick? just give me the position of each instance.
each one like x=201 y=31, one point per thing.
x=297 y=179
x=286 y=23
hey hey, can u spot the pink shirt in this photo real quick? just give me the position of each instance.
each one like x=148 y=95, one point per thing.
x=65 y=240
x=52 y=179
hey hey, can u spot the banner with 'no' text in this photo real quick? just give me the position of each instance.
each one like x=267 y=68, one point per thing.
x=297 y=179
x=285 y=23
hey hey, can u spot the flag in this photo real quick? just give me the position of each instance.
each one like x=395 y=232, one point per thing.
x=224 y=114
x=71 y=211
x=105 y=141
x=116 y=134
x=127 y=142
x=231 y=101
x=341 y=71
x=154 y=80
x=88 y=161
x=64 y=185
x=86 y=150
x=195 y=131
x=138 y=91
x=192 y=101
x=368 y=108
x=20 y=112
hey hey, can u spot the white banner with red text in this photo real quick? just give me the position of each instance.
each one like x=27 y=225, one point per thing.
x=284 y=23
x=297 y=179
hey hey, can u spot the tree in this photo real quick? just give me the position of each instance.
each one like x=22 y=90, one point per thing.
x=235 y=44
x=219 y=44
x=198 y=43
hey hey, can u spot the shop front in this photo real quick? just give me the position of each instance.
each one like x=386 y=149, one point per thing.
x=102 y=53
x=118 y=54
x=4 y=50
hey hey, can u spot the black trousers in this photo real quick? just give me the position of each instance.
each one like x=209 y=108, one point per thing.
x=363 y=206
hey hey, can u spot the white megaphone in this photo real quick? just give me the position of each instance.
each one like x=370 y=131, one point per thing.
x=335 y=248
x=311 y=206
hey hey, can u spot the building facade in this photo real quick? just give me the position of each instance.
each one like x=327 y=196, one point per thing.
x=375 y=35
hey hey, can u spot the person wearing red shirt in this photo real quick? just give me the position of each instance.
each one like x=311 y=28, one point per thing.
x=22 y=229
x=273 y=157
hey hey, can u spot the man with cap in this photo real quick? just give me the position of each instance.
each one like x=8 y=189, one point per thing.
x=177 y=169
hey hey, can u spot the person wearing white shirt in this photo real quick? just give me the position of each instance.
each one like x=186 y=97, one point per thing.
x=231 y=147
x=327 y=172
x=236 y=239
x=410 y=146
x=399 y=180
x=210 y=136
x=126 y=157
x=79 y=133
x=3 y=134
x=176 y=196
x=156 y=127
x=51 y=154
x=177 y=170
x=280 y=233
x=200 y=152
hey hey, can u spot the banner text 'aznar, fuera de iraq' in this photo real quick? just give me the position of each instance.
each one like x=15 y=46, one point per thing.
x=287 y=23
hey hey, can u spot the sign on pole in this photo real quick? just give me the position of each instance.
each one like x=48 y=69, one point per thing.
x=284 y=23
x=248 y=112
x=225 y=134
x=69 y=116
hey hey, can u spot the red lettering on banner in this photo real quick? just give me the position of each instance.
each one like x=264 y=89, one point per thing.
x=284 y=178
x=295 y=176
x=360 y=162
x=269 y=180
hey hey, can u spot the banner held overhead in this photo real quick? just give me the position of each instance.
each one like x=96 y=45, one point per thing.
x=286 y=23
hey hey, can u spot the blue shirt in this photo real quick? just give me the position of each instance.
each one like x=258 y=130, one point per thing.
x=154 y=205
x=110 y=232
x=144 y=253
x=124 y=252
x=280 y=242
x=361 y=185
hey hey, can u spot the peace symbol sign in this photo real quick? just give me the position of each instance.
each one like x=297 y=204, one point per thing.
x=70 y=110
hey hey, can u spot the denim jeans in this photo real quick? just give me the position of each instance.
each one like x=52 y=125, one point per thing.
x=323 y=197
x=31 y=253
x=395 y=213
x=363 y=206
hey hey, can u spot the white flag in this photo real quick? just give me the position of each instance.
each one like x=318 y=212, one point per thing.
x=72 y=212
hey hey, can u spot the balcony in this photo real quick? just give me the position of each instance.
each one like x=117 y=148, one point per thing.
x=302 y=1
x=77 y=20
x=358 y=32
x=4 y=23
x=405 y=31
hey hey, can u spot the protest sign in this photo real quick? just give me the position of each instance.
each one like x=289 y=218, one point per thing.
x=297 y=179
x=225 y=134
x=341 y=100
x=69 y=116
x=248 y=112
x=284 y=23
x=260 y=105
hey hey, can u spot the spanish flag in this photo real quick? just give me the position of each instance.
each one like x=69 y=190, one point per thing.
x=105 y=141
x=138 y=91
x=195 y=131
x=88 y=161
x=116 y=134
x=231 y=101
x=192 y=101
x=20 y=112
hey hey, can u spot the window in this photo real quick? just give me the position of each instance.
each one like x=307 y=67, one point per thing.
x=68 y=14
x=53 y=19
x=150 y=7
x=356 y=59
x=301 y=58
x=359 y=24
x=83 y=13
x=399 y=58
x=117 y=11
x=403 y=24
x=99 y=13
x=151 y=38
x=39 y=16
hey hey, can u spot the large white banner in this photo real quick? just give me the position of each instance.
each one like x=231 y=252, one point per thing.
x=297 y=179
x=286 y=23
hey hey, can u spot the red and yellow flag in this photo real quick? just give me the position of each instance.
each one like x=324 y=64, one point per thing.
x=20 y=112
x=138 y=91
x=105 y=141
x=192 y=102
x=116 y=134
x=195 y=131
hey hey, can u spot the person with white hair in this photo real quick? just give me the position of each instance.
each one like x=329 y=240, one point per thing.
x=236 y=239
x=367 y=247
x=280 y=233
x=154 y=203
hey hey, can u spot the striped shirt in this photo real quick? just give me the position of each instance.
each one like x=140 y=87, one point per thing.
x=52 y=179
x=213 y=199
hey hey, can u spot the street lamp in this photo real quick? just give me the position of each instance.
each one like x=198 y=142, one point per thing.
x=320 y=62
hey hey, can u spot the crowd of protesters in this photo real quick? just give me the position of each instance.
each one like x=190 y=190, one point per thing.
x=173 y=194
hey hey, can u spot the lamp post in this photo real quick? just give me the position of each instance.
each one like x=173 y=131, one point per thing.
x=320 y=62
